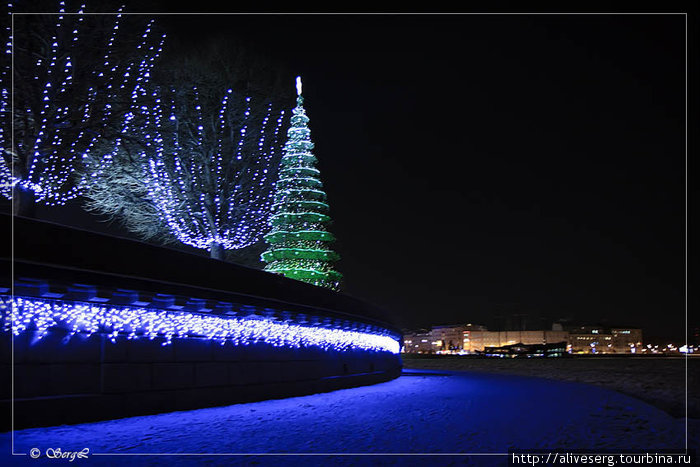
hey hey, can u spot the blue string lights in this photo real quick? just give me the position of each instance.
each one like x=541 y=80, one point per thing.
x=5 y=103
x=22 y=314
x=208 y=169
x=69 y=96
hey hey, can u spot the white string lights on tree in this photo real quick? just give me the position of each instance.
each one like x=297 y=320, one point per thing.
x=208 y=167
x=5 y=103
x=75 y=80
x=22 y=314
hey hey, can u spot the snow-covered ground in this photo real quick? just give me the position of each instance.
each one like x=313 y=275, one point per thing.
x=660 y=381
x=422 y=412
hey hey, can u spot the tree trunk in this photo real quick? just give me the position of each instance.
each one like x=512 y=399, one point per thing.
x=23 y=202
x=216 y=251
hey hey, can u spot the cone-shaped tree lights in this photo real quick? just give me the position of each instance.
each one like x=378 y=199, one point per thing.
x=299 y=242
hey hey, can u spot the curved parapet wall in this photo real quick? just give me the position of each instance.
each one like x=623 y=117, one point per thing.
x=44 y=315
x=96 y=327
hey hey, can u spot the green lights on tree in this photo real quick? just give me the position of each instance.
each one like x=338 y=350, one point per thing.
x=299 y=242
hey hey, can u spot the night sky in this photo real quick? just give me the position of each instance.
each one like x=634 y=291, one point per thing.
x=480 y=166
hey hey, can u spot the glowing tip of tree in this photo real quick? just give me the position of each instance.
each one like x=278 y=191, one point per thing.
x=298 y=85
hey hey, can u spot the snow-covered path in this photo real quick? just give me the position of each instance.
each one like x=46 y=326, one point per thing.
x=421 y=412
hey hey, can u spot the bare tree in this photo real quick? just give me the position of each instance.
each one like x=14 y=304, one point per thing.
x=198 y=163
x=72 y=81
x=119 y=192
x=203 y=171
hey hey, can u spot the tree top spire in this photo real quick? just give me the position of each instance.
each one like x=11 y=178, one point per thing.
x=298 y=85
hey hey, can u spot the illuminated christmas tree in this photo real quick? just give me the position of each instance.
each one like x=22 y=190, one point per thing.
x=299 y=242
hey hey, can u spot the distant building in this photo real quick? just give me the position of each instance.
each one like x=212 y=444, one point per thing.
x=555 y=349
x=445 y=338
x=595 y=339
x=451 y=337
x=418 y=342
x=470 y=339
x=478 y=341
x=626 y=340
x=591 y=343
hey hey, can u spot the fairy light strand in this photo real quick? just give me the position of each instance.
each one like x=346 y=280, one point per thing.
x=21 y=314
x=70 y=119
x=210 y=180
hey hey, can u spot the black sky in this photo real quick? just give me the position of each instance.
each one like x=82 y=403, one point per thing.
x=484 y=165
